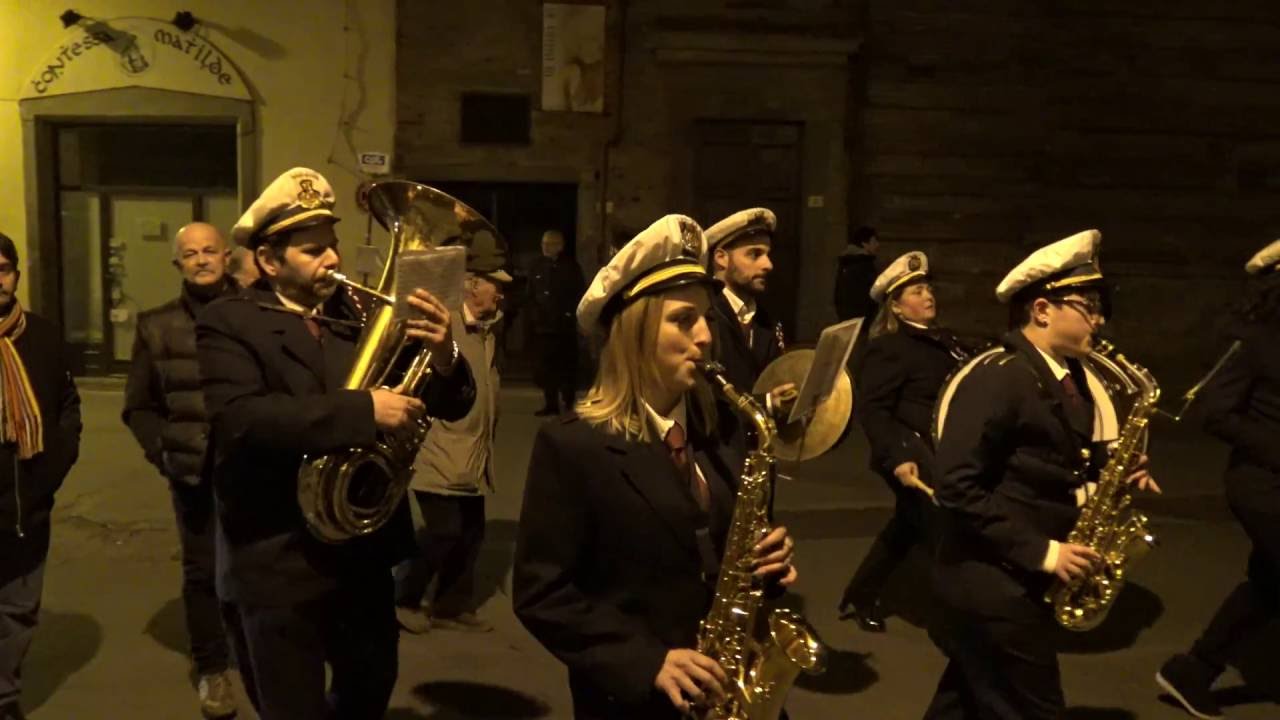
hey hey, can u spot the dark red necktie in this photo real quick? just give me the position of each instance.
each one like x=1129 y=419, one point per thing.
x=676 y=443
x=1075 y=401
x=313 y=327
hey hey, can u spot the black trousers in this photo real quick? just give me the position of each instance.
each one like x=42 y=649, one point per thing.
x=449 y=544
x=1254 y=496
x=997 y=669
x=912 y=523
x=197 y=521
x=555 y=368
x=19 y=612
x=282 y=652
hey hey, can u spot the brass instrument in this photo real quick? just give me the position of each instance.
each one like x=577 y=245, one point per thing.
x=354 y=492
x=822 y=427
x=1107 y=523
x=760 y=670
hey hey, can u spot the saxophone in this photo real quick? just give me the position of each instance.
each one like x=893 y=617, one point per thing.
x=1107 y=523
x=760 y=670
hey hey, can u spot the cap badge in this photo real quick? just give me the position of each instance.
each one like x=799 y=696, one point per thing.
x=308 y=196
x=913 y=263
x=689 y=244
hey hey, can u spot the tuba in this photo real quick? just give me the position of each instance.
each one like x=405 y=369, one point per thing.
x=354 y=492
x=760 y=670
x=1107 y=523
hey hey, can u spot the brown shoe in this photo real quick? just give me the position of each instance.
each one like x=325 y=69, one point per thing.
x=216 y=699
x=414 y=620
x=465 y=622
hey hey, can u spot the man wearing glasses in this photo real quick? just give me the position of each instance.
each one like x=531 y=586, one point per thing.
x=1014 y=460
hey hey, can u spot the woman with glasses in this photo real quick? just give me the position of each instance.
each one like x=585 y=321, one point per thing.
x=907 y=360
x=1016 y=450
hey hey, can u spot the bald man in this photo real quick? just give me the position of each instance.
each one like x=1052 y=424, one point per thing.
x=164 y=407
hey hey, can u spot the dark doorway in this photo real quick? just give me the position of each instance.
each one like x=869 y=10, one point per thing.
x=123 y=190
x=744 y=163
x=521 y=212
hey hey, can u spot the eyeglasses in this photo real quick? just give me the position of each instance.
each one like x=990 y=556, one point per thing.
x=1088 y=307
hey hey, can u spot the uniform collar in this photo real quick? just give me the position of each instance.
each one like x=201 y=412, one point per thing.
x=915 y=325
x=1058 y=369
x=744 y=310
x=663 y=423
x=296 y=307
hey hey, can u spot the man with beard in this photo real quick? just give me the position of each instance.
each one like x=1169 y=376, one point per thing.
x=273 y=360
x=744 y=339
x=164 y=407
x=39 y=442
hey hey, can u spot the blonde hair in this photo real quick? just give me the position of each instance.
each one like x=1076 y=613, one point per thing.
x=615 y=402
x=886 y=322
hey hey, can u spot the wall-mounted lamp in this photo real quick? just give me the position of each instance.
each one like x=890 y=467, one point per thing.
x=69 y=18
x=184 y=20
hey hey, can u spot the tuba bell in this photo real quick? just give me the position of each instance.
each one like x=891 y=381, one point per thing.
x=353 y=492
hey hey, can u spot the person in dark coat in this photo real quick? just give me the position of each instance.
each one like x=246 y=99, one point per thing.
x=909 y=358
x=855 y=274
x=1018 y=445
x=628 y=500
x=39 y=443
x=1242 y=408
x=273 y=362
x=555 y=286
x=744 y=338
x=164 y=408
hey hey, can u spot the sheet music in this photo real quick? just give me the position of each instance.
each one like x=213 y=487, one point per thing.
x=440 y=271
x=829 y=358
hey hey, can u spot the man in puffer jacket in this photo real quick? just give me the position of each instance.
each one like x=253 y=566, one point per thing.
x=164 y=407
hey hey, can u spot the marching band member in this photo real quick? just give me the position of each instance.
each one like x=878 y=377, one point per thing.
x=907 y=361
x=744 y=338
x=1016 y=452
x=1241 y=407
x=628 y=500
x=272 y=361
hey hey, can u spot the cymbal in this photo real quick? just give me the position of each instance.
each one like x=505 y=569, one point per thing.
x=810 y=436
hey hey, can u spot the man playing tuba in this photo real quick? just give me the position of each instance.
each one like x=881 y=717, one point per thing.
x=273 y=359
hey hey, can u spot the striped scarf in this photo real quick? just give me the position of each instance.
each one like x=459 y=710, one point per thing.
x=19 y=413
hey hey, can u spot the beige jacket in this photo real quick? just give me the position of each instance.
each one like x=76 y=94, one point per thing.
x=457 y=457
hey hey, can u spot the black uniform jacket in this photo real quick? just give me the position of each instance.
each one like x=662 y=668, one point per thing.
x=743 y=362
x=898 y=385
x=608 y=571
x=1008 y=464
x=274 y=394
x=1242 y=402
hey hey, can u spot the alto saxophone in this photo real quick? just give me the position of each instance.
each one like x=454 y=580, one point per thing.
x=760 y=670
x=1119 y=534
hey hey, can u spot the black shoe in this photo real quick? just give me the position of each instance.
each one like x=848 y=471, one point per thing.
x=547 y=411
x=1189 y=681
x=868 y=615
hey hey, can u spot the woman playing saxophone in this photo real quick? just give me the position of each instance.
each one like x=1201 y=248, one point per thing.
x=629 y=498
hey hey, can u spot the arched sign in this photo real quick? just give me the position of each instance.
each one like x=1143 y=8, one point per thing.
x=135 y=52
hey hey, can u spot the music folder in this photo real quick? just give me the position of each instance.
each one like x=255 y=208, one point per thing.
x=835 y=345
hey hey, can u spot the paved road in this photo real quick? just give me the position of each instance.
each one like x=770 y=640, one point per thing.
x=111 y=638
